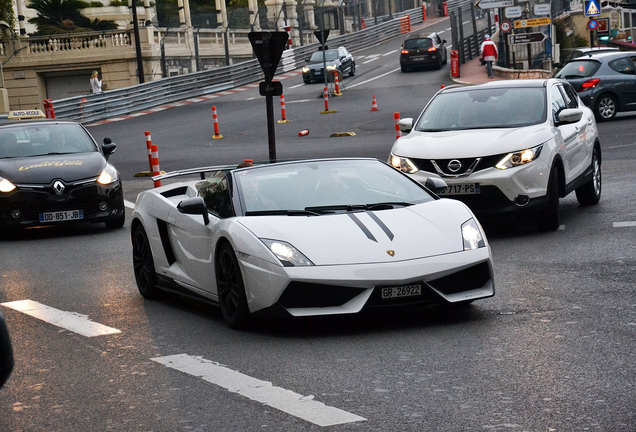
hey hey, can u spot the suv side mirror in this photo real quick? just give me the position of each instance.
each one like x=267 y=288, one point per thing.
x=194 y=206
x=569 y=115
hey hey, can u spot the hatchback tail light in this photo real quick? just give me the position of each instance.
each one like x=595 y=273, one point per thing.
x=432 y=49
x=589 y=84
x=404 y=51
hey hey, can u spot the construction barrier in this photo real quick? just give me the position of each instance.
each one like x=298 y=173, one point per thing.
x=445 y=8
x=396 y=120
x=148 y=145
x=282 y=110
x=454 y=63
x=325 y=96
x=48 y=108
x=217 y=135
x=303 y=132
x=289 y=37
x=405 y=24
x=155 y=163
x=424 y=12
x=374 y=105
x=337 y=91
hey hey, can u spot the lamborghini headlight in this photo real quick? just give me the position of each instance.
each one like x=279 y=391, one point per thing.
x=288 y=255
x=403 y=164
x=520 y=158
x=472 y=235
x=6 y=185
x=108 y=176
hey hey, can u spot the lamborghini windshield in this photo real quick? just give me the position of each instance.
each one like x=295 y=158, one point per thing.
x=484 y=109
x=320 y=187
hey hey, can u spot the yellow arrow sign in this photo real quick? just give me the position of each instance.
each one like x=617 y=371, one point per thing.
x=532 y=22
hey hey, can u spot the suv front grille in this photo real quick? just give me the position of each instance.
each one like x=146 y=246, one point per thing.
x=485 y=163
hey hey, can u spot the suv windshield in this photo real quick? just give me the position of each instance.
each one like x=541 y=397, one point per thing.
x=578 y=69
x=484 y=109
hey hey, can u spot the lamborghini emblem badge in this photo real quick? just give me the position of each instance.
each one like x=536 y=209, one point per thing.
x=391 y=252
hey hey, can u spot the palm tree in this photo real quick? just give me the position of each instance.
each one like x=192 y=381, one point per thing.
x=65 y=16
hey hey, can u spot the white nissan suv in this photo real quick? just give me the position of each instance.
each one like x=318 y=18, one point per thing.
x=506 y=147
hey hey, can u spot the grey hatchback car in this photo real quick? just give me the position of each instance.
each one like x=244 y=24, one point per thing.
x=606 y=82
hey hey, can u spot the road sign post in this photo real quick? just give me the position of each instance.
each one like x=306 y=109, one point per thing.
x=268 y=48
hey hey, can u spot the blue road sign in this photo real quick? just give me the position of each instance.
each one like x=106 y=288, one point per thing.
x=592 y=8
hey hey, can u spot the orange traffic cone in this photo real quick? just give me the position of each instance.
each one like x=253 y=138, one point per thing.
x=374 y=105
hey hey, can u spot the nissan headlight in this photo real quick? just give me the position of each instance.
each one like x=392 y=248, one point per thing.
x=108 y=175
x=6 y=185
x=472 y=235
x=519 y=158
x=403 y=164
x=288 y=255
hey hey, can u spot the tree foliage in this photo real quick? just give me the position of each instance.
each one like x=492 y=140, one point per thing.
x=65 y=16
x=7 y=15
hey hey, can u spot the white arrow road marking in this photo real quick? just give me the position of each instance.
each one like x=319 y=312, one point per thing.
x=68 y=320
x=300 y=406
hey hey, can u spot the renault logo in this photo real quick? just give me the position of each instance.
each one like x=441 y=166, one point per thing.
x=391 y=252
x=58 y=187
x=454 y=165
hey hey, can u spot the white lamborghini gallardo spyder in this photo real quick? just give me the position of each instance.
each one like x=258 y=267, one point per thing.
x=315 y=237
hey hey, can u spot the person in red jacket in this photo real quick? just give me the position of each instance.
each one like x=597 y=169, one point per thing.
x=489 y=53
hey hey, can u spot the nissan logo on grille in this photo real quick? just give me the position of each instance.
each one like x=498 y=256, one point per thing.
x=58 y=187
x=454 y=165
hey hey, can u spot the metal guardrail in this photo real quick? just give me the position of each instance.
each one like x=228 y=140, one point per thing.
x=113 y=103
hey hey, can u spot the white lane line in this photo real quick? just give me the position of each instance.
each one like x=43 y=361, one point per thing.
x=370 y=60
x=300 y=406
x=297 y=85
x=68 y=320
x=129 y=204
x=373 y=79
x=624 y=224
x=389 y=53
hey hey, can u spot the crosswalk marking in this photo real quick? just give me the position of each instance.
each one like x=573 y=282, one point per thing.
x=68 y=320
x=300 y=406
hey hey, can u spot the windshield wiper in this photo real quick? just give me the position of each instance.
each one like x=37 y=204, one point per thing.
x=358 y=207
x=281 y=213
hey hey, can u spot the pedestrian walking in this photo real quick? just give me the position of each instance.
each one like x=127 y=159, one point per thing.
x=489 y=54
x=96 y=83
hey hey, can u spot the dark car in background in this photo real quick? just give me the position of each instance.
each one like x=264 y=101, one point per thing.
x=574 y=53
x=606 y=82
x=423 y=50
x=338 y=59
x=52 y=172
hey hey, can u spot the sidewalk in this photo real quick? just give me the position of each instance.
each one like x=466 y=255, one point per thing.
x=473 y=72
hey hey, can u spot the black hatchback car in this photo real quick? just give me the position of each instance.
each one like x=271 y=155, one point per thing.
x=339 y=59
x=53 y=172
x=423 y=50
x=606 y=82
